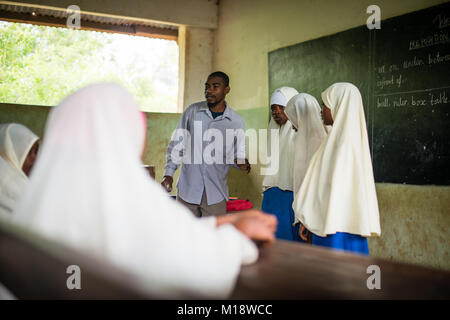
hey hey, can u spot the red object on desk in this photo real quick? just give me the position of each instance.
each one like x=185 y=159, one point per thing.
x=238 y=205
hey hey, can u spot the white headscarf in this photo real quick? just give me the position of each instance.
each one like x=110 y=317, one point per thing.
x=16 y=141
x=283 y=177
x=89 y=191
x=303 y=111
x=338 y=192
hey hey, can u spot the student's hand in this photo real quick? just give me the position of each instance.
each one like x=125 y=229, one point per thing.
x=257 y=229
x=167 y=183
x=255 y=224
x=304 y=233
x=244 y=166
x=270 y=220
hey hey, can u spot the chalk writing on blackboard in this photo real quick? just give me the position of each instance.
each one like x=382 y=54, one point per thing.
x=442 y=21
x=427 y=97
x=429 y=41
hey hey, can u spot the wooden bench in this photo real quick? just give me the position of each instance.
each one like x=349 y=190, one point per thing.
x=32 y=267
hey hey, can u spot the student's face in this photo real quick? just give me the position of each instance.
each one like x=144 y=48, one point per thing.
x=278 y=114
x=215 y=91
x=30 y=159
x=326 y=116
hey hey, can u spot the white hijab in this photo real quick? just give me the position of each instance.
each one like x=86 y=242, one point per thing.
x=89 y=191
x=283 y=177
x=303 y=111
x=16 y=141
x=338 y=192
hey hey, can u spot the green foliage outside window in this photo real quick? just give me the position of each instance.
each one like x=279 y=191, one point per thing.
x=41 y=65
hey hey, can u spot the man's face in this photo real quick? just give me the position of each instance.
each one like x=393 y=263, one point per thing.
x=215 y=91
x=278 y=114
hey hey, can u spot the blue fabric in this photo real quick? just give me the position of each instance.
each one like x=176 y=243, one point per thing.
x=343 y=241
x=279 y=203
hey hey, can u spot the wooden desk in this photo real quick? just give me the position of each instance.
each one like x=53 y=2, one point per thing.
x=290 y=270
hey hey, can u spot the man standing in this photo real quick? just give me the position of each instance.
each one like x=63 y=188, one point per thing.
x=202 y=185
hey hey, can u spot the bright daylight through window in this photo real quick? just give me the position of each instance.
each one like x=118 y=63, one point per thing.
x=41 y=65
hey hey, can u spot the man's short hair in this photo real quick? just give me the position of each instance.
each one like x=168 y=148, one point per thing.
x=222 y=75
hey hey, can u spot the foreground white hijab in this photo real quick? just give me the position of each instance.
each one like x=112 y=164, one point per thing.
x=283 y=177
x=16 y=141
x=303 y=111
x=89 y=191
x=338 y=192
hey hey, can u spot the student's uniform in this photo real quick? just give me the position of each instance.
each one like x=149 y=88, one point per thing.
x=89 y=191
x=16 y=141
x=202 y=184
x=337 y=200
x=278 y=187
x=303 y=111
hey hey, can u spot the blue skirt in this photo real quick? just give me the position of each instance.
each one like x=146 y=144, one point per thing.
x=279 y=203
x=343 y=241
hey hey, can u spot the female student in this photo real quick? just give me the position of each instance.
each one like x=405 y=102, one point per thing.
x=89 y=191
x=18 y=150
x=337 y=201
x=277 y=187
x=303 y=111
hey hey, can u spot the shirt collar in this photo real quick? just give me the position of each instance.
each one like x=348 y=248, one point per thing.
x=226 y=113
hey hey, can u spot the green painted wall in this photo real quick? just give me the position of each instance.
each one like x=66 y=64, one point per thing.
x=34 y=117
x=415 y=225
x=240 y=184
x=159 y=131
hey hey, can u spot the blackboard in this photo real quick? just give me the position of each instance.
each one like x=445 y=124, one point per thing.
x=403 y=73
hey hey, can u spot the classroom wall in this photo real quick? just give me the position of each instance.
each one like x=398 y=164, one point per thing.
x=249 y=29
x=199 y=64
x=414 y=219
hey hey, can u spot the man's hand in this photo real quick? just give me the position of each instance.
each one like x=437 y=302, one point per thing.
x=167 y=183
x=243 y=166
